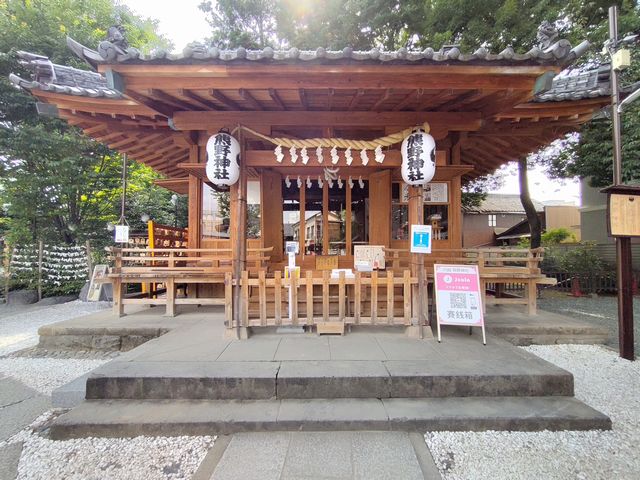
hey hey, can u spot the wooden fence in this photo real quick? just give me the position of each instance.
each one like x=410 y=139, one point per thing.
x=374 y=299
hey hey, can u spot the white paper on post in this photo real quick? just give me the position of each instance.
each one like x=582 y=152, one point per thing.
x=122 y=233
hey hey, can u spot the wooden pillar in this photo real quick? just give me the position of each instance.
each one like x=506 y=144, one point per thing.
x=271 y=213
x=239 y=232
x=416 y=217
x=195 y=201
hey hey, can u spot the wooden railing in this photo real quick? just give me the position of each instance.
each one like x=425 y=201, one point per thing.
x=171 y=267
x=496 y=266
x=375 y=298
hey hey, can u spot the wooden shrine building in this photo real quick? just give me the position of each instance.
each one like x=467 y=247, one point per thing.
x=483 y=109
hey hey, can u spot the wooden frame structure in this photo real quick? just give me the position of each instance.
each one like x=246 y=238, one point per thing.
x=484 y=110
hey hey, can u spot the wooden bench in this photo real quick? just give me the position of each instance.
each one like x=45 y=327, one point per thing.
x=497 y=266
x=172 y=267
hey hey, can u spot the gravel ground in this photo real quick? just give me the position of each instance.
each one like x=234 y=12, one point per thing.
x=19 y=327
x=46 y=374
x=602 y=380
x=600 y=310
x=149 y=458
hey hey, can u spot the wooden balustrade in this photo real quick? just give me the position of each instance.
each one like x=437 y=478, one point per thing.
x=374 y=299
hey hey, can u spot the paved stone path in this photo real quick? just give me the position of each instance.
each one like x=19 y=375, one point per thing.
x=19 y=406
x=319 y=455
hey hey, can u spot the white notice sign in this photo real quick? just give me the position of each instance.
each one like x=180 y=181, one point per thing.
x=458 y=296
x=369 y=257
x=122 y=233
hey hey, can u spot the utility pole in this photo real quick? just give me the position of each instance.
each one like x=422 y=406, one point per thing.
x=624 y=274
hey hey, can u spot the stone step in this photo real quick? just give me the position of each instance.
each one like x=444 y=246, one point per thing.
x=130 y=418
x=324 y=379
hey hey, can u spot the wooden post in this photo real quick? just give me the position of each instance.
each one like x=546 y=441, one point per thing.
x=40 y=252
x=239 y=233
x=416 y=217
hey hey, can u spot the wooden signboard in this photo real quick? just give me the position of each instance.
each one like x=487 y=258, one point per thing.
x=97 y=280
x=623 y=211
x=326 y=262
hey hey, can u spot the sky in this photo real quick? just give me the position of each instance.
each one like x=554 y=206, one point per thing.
x=182 y=22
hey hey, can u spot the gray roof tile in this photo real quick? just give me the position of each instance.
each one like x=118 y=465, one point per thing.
x=499 y=203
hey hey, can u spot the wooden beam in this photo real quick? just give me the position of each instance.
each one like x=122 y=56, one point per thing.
x=222 y=98
x=355 y=99
x=247 y=97
x=276 y=98
x=454 y=121
x=160 y=108
x=198 y=99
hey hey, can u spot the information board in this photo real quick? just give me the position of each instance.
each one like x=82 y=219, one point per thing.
x=369 y=255
x=421 y=238
x=458 y=296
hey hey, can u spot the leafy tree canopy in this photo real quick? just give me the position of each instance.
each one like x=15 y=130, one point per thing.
x=55 y=183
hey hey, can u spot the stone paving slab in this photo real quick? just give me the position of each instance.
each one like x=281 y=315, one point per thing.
x=353 y=455
x=19 y=406
x=9 y=459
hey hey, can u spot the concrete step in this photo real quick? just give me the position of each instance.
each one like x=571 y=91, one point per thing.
x=324 y=379
x=129 y=418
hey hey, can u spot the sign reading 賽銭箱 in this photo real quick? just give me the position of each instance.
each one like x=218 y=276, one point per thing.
x=458 y=296
x=421 y=238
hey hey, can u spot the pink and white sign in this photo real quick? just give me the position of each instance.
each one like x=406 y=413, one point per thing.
x=458 y=296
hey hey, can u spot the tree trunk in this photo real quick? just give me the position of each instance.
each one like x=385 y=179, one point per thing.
x=532 y=216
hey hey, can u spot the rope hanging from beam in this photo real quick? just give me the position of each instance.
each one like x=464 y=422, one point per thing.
x=334 y=143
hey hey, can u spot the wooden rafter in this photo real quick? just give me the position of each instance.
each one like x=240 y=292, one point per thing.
x=198 y=100
x=164 y=97
x=159 y=107
x=250 y=99
x=355 y=99
x=330 y=95
x=276 y=98
x=303 y=98
x=222 y=98
x=463 y=100
x=382 y=99
x=413 y=97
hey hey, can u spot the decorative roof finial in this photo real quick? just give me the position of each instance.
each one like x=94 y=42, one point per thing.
x=547 y=35
x=115 y=47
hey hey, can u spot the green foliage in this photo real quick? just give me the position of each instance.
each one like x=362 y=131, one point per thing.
x=581 y=259
x=556 y=236
x=55 y=183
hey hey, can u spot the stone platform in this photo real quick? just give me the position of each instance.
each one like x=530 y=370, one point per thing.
x=193 y=381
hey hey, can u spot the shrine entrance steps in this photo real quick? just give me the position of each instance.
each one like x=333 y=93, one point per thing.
x=191 y=381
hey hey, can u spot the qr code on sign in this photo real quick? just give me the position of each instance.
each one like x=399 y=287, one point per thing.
x=458 y=300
